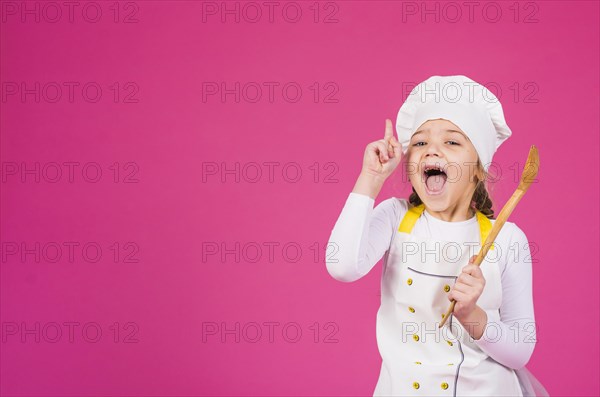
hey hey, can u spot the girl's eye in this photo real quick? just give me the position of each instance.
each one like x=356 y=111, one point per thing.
x=418 y=143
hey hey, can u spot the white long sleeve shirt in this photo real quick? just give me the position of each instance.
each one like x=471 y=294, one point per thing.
x=362 y=235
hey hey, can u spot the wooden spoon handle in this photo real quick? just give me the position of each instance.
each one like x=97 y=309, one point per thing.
x=500 y=221
x=527 y=178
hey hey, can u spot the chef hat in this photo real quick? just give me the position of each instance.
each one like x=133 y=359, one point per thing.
x=462 y=101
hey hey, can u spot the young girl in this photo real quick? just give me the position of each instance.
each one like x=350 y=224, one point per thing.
x=448 y=130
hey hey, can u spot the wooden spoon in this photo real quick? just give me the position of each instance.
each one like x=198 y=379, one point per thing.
x=530 y=171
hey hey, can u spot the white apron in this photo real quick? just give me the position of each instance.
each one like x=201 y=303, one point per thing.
x=418 y=358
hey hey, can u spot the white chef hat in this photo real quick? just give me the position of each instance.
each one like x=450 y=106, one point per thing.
x=466 y=103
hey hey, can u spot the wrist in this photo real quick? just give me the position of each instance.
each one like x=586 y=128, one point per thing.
x=474 y=322
x=368 y=184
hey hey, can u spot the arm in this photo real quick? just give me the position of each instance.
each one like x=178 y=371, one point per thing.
x=360 y=237
x=509 y=336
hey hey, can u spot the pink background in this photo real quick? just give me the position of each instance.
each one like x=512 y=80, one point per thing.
x=547 y=70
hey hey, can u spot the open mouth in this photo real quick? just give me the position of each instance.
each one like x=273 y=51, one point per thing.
x=435 y=178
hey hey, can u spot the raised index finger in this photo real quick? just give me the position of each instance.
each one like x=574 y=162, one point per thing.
x=389 y=130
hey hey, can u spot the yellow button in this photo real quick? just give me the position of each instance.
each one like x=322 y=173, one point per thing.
x=416 y=337
x=416 y=385
x=409 y=281
x=418 y=362
x=444 y=385
x=451 y=364
x=450 y=343
x=446 y=288
x=412 y=309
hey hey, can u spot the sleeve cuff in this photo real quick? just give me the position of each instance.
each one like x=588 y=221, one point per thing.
x=358 y=198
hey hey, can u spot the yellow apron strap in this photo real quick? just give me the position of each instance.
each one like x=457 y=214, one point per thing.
x=410 y=218
x=485 y=227
x=414 y=212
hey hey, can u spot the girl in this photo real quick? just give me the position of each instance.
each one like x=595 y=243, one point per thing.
x=448 y=130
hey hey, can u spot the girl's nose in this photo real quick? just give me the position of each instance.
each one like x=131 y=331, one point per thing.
x=432 y=150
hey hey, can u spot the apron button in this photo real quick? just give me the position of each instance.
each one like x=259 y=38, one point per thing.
x=409 y=281
x=418 y=362
x=412 y=309
x=416 y=385
x=446 y=288
x=444 y=385
x=416 y=337
x=450 y=343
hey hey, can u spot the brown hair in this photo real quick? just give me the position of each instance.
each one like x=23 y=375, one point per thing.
x=481 y=199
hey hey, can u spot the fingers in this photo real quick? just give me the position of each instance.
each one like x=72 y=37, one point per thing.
x=468 y=289
x=392 y=149
x=395 y=147
x=470 y=281
x=458 y=296
x=388 y=147
x=373 y=156
x=385 y=150
x=473 y=270
x=467 y=279
x=389 y=130
x=381 y=149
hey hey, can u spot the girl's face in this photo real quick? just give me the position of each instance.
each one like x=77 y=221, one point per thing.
x=442 y=165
